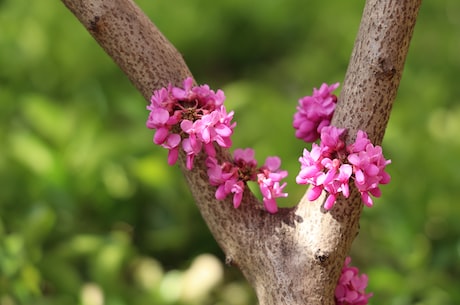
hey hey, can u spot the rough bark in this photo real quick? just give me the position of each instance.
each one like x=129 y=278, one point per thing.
x=293 y=257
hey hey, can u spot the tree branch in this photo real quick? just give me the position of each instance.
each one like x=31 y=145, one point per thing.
x=135 y=44
x=295 y=256
x=376 y=66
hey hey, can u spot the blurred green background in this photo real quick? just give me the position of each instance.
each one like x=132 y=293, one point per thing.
x=91 y=214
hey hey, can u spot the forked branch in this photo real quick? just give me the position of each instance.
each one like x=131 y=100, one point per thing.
x=295 y=256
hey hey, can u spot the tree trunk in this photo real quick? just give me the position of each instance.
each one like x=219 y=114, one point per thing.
x=295 y=256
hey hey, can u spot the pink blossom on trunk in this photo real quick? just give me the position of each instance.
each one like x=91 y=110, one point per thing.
x=194 y=115
x=315 y=112
x=331 y=166
x=351 y=286
x=232 y=177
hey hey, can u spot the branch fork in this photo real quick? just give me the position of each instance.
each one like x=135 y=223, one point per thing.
x=295 y=256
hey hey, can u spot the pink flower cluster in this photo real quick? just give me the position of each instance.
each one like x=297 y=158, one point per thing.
x=368 y=167
x=351 y=286
x=231 y=177
x=192 y=116
x=330 y=166
x=315 y=112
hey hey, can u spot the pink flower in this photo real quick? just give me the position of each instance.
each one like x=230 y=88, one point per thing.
x=360 y=142
x=368 y=167
x=203 y=95
x=335 y=181
x=323 y=167
x=315 y=112
x=185 y=94
x=245 y=157
x=161 y=99
x=331 y=165
x=332 y=139
x=351 y=286
x=227 y=178
x=310 y=166
x=217 y=173
x=192 y=115
x=191 y=148
x=237 y=188
x=172 y=144
x=216 y=126
x=232 y=177
x=269 y=178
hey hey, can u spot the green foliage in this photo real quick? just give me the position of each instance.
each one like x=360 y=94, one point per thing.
x=90 y=213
